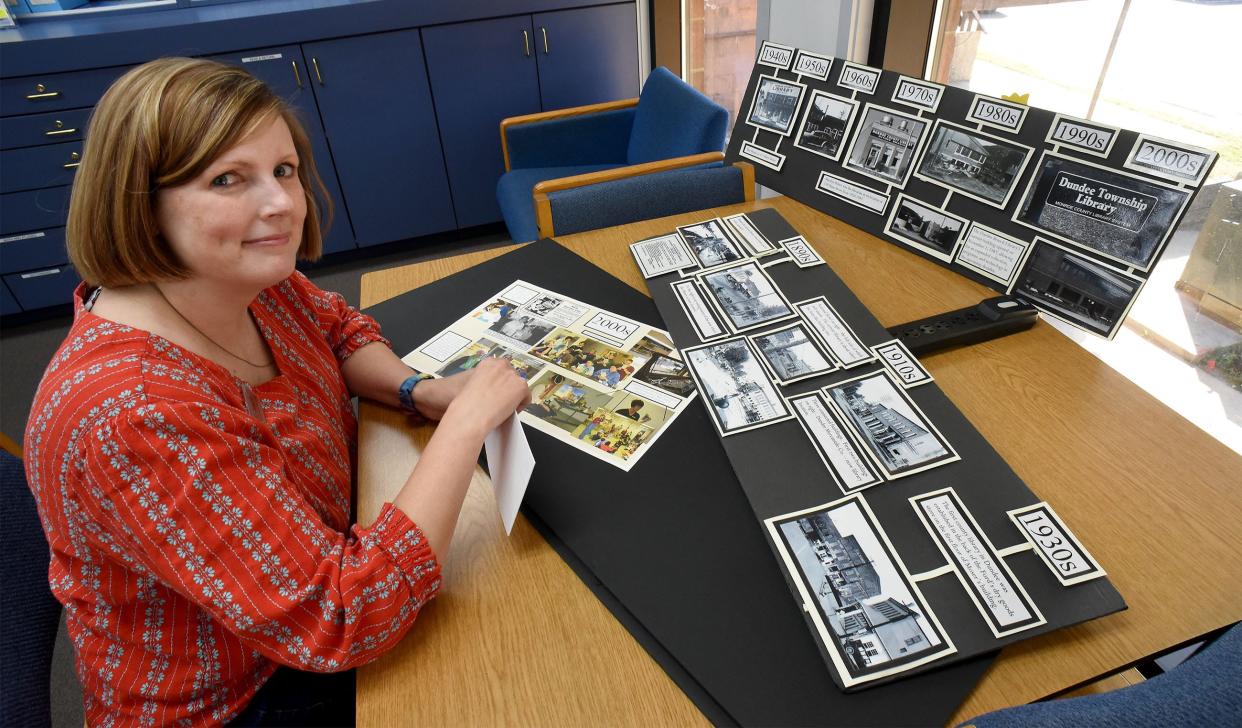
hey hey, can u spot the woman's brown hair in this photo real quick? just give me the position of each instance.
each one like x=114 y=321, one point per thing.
x=160 y=125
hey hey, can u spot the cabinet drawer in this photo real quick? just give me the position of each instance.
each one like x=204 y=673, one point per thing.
x=43 y=288
x=38 y=129
x=8 y=304
x=26 y=251
x=35 y=167
x=54 y=91
x=33 y=210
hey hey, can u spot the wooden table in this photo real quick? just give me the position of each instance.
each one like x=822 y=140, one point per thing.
x=516 y=639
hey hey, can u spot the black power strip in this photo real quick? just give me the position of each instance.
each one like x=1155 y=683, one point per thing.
x=990 y=319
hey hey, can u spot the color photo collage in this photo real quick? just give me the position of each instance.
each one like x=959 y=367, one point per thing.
x=866 y=607
x=599 y=382
x=1062 y=219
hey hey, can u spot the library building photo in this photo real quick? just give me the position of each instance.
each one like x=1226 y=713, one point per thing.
x=808 y=363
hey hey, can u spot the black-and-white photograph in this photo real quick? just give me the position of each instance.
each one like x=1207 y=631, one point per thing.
x=886 y=144
x=775 y=104
x=710 y=243
x=520 y=327
x=735 y=387
x=1071 y=287
x=1117 y=215
x=746 y=296
x=870 y=615
x=899 y=437
x=978 y=165
x=826 y=124
x=791 y=354
x=560 y=311
x=668 y=374
x=927 y=228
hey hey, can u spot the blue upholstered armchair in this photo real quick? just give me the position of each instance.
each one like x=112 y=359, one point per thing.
x=31 y=615
x=592 y=166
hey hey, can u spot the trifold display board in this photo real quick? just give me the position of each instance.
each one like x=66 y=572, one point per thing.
x=906 y=540
x=1069 y=214
x=673 y=548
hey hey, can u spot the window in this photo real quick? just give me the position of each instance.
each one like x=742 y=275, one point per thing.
x=1160 y=67
x=720 y=48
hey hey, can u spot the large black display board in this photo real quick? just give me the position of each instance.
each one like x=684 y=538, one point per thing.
x=1069 y=214
x=672 y=547
x=781 y=472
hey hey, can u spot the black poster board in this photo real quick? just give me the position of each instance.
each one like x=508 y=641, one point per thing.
x=672 y=548
x=1068 y=214
x=782 y=473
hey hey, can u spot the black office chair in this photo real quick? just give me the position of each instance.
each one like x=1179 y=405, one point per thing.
x=29 y=614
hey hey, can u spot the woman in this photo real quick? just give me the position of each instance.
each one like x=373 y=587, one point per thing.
x=191 y=444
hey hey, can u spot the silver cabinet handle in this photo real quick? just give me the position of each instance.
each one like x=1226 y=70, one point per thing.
x=318 y=75
x=296 y=76
x=41 y=273
x=545 y=40
x=526 y=43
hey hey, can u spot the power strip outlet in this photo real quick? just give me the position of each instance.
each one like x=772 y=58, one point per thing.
x=989 y=319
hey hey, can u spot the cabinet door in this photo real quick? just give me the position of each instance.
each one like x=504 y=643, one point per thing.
x=8 y=304
x=587 y=56
x=376 y=108
x=284 y=71
x=481 y=72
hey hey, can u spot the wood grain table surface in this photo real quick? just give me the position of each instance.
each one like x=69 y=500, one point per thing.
x=515 y=638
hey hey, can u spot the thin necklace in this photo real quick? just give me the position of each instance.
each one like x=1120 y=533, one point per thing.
x=205 y=336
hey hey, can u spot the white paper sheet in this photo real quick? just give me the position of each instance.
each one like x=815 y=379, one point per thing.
x=510 y=462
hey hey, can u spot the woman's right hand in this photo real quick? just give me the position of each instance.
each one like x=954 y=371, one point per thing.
x=493 y=393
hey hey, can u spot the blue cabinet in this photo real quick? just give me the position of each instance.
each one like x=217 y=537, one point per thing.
x=32 y=130
x=8 y=304
x=376 y=108
x=284 y=70
x=38 y=249
x=401 y=101
x=33 y=168
x=487 y=70
x=587 y=55
x=43 y=288
x=481 y=72
x=33 y=209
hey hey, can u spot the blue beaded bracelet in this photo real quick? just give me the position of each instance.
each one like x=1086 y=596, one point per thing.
x=405 y=393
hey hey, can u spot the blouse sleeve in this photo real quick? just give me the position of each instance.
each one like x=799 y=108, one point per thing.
x=346 y=328
x=182 y=491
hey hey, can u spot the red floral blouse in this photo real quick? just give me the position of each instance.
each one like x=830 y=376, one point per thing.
x=196 y=544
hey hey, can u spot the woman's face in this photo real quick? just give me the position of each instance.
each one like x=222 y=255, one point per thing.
x=239 y=223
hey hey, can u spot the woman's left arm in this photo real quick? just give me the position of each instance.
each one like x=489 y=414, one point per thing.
x=369 y=366
x=374 y=372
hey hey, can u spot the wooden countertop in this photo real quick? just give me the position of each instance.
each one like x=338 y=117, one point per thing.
x=516 y=638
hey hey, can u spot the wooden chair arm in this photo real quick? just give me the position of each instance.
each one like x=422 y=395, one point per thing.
x=7 y=444
x=557 y=114
x=543 y=207
x=748 y=179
